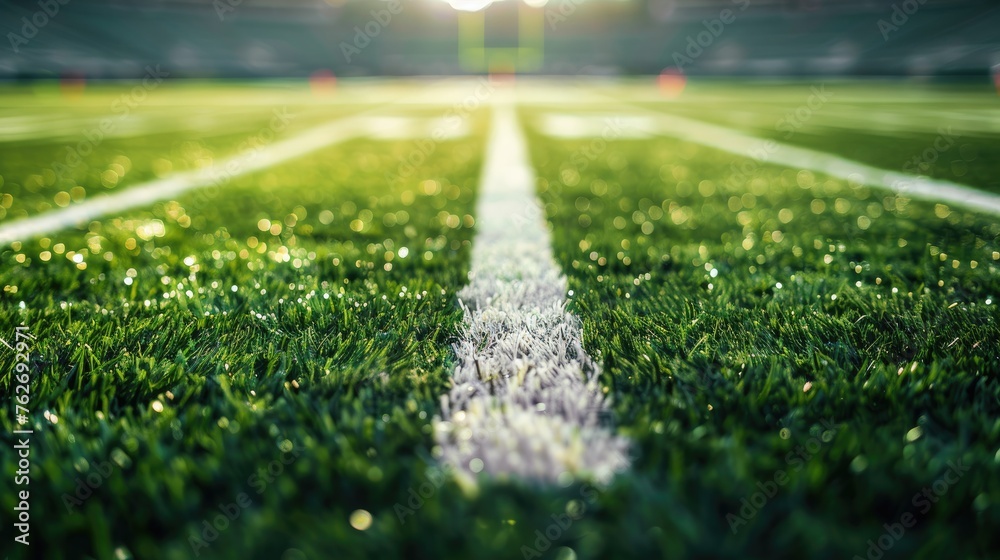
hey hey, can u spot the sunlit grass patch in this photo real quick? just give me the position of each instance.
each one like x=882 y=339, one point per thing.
x=739 y=320
x=308 y=307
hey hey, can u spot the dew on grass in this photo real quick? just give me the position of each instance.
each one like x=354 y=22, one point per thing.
x=565 y=553
x=360 y=520
x=62 y=199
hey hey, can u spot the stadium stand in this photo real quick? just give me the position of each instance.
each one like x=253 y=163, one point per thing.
x=260 y=38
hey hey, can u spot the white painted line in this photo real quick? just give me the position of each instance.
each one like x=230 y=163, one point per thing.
x=774 y=152
x=391 y=127
x=67 y=128
x=234 y=166
x=525 y=400
x=562 y=125
x=160 y=189
x=436 y=94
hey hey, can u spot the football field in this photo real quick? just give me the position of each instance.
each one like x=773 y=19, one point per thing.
x=498 y=318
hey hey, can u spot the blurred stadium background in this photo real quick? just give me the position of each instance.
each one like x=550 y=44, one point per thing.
x=291 y=38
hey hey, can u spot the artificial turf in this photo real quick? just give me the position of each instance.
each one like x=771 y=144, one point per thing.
x=185 y=346
x=940 y=130
x=92 y=152
x=709 y=303
x=742 y=322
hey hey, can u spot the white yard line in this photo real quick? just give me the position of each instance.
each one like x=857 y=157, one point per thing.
x=774 y=152
x=525 y=400
x=240 y=164
x=149 y=192
x=57 y=127
x=437 y=94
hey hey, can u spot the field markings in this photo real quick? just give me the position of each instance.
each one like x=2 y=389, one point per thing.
x=525 y=400
x=903 y=184
x=780 y=153
x=562 y=125
x=175 y=184
x=254 y=159
x=126 y=123
x=395 y=127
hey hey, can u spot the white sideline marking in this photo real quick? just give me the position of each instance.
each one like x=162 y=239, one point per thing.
x=525 y=399
x=903 y=184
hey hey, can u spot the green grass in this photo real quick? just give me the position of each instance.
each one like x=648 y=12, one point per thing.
x=876 y=123
x=142 y=141
x=187 y=387
x=148 y=366
x=738 y=322
x=42 y=176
